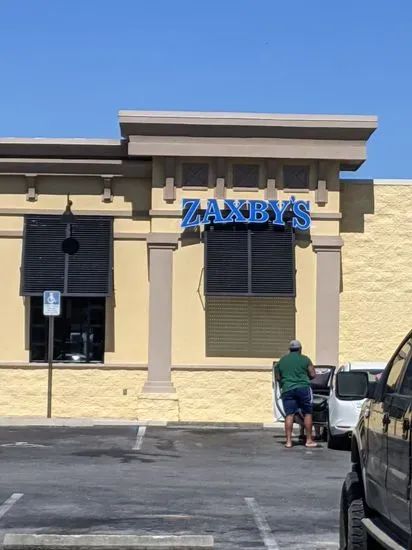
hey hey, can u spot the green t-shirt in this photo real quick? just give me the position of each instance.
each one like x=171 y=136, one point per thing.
x=293 y=370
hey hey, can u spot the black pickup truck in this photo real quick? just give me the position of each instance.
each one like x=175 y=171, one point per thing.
x=375 y=509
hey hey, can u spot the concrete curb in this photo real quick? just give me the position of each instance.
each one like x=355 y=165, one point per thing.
x=252 y=426
x=20 y=422
x=16 y=541
x=38 y=422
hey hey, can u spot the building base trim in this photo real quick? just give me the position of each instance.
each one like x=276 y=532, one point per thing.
x=16 y=365
x=4 y=365
x=225 y=367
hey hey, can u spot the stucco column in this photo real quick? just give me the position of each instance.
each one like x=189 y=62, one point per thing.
x=160 y=249
x=328 y=274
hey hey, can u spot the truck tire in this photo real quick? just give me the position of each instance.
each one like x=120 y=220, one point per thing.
x=352 y=535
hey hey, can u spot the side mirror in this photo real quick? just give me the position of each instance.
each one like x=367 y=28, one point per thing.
x=352 y=386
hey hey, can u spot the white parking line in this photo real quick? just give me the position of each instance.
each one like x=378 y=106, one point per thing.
x=318 y=545
x=161 y=516
x=315 y=545
x=308 y=541
x=139 y=438
x=7 y=504
x=23 y=444
x=263 y=526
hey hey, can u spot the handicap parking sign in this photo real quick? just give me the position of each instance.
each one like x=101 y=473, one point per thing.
x=51 y=303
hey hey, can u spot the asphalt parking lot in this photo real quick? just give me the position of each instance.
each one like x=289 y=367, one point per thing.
x=241 y=486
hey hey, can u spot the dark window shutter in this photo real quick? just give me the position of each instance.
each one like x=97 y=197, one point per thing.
x=254 y=261
x=248 y=326
x=227 y=326
x=46 y=267
x=226 y=261
x=272 y=262
x=43 y=260
x=272 y=325
x=89 y=271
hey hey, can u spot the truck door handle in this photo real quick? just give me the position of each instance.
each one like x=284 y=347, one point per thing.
x=385 y=422
x=406 y=426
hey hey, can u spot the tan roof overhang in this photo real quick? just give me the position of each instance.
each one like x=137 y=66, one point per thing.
x=192 y=134
x=70 y=156
x=241 y=135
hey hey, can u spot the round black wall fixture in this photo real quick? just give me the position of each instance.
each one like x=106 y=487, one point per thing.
x=70 y=246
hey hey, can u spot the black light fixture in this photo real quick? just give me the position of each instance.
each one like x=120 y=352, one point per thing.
x=70 y=245
x=68 y=216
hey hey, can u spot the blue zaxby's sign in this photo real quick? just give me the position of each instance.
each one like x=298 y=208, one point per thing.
x=246 y=211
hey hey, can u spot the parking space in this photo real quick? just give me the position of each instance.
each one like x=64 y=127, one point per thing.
x=241 y=486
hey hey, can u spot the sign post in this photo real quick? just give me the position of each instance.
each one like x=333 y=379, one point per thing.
x=51 y=309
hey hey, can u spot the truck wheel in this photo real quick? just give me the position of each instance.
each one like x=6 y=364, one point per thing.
x=352 y=535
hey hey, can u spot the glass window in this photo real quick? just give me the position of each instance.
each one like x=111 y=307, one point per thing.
x=296 y=177
x=397 y=366
x=406 y=386
x=195 y=174
x=79 y=332
x=246 y=175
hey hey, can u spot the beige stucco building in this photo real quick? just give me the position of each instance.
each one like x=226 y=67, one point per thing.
x=164 y=322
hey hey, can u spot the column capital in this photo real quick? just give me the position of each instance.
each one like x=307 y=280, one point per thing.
x=327 y=243
x=163 y=240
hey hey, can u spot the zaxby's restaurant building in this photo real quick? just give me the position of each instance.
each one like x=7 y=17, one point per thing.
x=206 y=241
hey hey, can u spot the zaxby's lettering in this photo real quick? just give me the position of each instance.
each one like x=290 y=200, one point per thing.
x=246 y=211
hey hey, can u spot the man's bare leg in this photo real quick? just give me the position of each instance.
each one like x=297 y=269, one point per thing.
x=289 y=430
x=308 y=428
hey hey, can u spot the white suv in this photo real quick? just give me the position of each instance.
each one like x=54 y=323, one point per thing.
x=344 y=414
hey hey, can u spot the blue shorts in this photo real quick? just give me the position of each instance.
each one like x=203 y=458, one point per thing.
x=298 y=399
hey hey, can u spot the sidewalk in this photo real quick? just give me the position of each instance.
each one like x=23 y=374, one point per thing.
x=38 y=421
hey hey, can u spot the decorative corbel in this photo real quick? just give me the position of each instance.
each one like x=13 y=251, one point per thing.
x=169 y=190
x=107 y=195
x=31 y=193
x=270 y=190
x=321 y=193
x=220 y=166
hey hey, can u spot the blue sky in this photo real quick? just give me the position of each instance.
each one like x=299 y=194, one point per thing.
x=68 y=66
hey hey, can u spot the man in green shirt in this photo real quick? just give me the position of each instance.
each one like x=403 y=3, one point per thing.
x=294 y=372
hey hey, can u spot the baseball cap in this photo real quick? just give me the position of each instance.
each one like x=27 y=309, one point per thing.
x=295 y=344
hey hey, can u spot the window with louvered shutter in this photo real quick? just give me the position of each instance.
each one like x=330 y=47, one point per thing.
x=226 y=261
x=272 y=261
x=43 y=261
x=249 y=261
x=249 y=326
x=46 y=267
x=89 y=272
